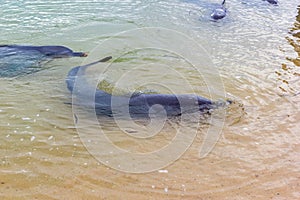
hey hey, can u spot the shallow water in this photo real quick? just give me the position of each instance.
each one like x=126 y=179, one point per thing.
x=256 y=51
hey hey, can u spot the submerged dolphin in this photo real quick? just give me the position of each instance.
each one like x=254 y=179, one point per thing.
x=20 y=59
x=137 y=105
x=219 y=12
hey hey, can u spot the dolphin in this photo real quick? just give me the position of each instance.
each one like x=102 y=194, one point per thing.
x=49 y=51
x=138 y=104
x=219 y=12
x=18 y=60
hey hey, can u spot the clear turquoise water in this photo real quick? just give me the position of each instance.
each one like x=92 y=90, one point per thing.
x=256 y=50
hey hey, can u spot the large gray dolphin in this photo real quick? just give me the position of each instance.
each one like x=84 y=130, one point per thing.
x=138 y=105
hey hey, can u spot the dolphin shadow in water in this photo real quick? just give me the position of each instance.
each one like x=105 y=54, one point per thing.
x=137 y=105
x=16 y=60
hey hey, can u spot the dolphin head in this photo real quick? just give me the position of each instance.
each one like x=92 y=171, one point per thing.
x=80 y=54
x=218 y=13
